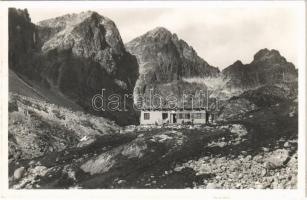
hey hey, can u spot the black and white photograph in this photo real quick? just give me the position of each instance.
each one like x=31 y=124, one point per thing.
x=153 y=97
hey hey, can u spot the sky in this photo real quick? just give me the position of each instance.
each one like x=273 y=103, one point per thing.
x=220 y=35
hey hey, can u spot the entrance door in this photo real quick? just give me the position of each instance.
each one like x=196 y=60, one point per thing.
x=207 y=117
x=174 y=118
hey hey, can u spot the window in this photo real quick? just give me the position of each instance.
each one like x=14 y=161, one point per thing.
x=187 y=116
x=180 y=116
x=196 y=115
x=146 y=116
x=164 y=116
x=193 y=115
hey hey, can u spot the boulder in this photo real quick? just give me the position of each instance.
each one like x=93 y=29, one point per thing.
x=213 y=186
x=40 y=170
x=238 y=129
x=18 y=173
x=276 y=159
x=286 y=144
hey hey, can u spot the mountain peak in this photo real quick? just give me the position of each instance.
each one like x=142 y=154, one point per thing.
x=159 y=32
x=236 y=66
x=159 y=29
x=71 y=19
x=266 y=54
x=72 y=30
x=238 y=62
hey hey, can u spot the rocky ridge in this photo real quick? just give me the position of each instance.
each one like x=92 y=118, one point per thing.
x=169 y=62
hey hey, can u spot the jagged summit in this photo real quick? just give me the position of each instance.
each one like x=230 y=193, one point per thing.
x=159 y=32
x=159 y=29
x=236 y=66
x=265 y=52
x=164 y=61
x=268 y=67
x=163 y=49
x=70 y=19
x=88 y=34
x=157 y=35
x=269 y=55
x=238 y=62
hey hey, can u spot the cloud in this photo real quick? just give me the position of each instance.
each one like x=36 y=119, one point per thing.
x=219 y=35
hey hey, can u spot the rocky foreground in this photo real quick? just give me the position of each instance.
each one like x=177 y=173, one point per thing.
x=258 y=150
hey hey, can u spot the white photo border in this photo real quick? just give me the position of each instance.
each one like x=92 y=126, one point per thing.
x=149 y=193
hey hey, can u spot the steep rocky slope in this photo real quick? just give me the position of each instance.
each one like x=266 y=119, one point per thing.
x=37 y=128
x=24 y=87
x=165 y=59
x=80 y=55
